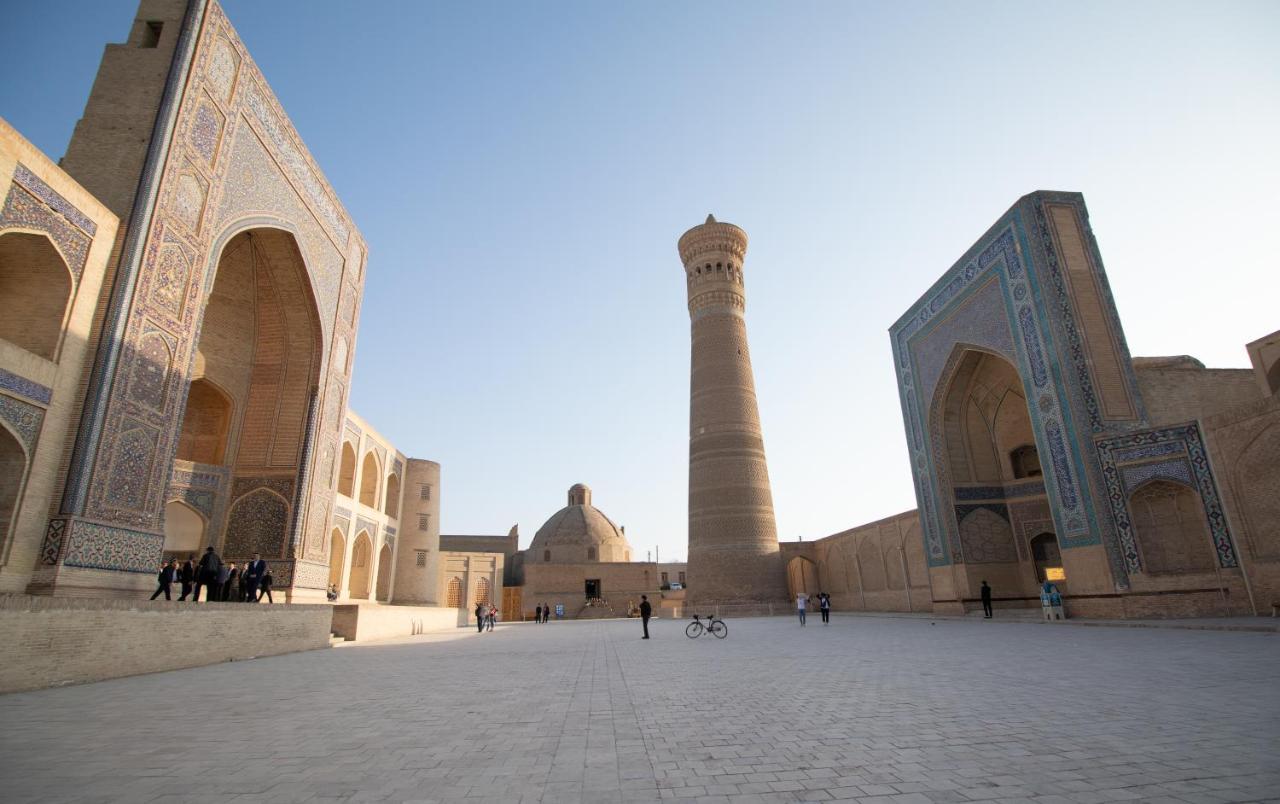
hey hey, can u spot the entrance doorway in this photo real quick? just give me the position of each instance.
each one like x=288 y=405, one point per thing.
x=1047 y=558
x=593 y=588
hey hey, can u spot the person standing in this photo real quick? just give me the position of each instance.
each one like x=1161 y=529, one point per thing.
x=986 y=601
x=164 y=580
x=480 y=618
x=207 y=573
x=492 y=619
x=802 y=601
x=227 y=580
x=537 y=614
x=824 y=605
x=187 y=576
x=546 y=612
x=646 y=611
x=266 y=587
x=253 y=577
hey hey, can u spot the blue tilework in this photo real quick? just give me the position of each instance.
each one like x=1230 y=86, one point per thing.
x=29 y=388
x=23 y=175
x=1187 y=438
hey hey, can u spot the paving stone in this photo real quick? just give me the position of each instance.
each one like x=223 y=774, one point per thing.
x=875 y=710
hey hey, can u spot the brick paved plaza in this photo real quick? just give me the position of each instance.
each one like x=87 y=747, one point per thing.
x=869 y=709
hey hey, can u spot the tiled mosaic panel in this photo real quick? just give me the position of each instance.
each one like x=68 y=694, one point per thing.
x=1160 y=441
x=96 y=546
x=23 y=210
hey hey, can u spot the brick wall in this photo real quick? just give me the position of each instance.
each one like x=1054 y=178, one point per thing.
x=54 y=641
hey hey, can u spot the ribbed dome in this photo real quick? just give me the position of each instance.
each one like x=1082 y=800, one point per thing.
x=579 y=533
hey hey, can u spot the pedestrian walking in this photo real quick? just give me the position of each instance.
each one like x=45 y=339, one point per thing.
x=546 y=612
x=480 y=618
x=265 y=586
x=253 y=574
x=537 y=614
x=492 y=619
x=165 y=580
x=824 y=605
x=986 y=601
x=207 y=573
x=802 y=601
x=187 y=577
x=646 y=611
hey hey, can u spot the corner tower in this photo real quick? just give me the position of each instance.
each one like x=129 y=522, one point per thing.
x=733 y=540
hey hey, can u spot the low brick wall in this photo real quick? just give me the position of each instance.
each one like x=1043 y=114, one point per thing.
x=359 y=622
x=51 y=641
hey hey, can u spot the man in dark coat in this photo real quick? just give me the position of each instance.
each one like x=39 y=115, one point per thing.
x=480 y=617
x=986 y=601
x=187 y=576
x=165 y=580
x=207 y=576
x=646 y=611
x=253 y=573
x=266 y=588
x=537 y=614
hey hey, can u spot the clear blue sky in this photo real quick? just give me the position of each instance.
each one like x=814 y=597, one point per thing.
x=522 y=172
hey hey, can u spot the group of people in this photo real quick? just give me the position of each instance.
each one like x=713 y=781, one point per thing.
x=824 y=606
x=220 y=582
x=486 y=616
x=542 y=613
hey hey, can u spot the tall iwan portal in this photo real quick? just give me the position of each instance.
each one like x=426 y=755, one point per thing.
x=733 y=540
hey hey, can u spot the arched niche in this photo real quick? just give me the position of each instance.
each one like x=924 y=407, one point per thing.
x=1169 y=524
x=391 y=502
x=361 y=566
x=254 y=376
x=981 y=417
x=35 y=292
x=384 y=574
x=453 y=593
x=802 y=576
x=483 y=591
x=337 y=557
x=13 y=471
x=347 y=470
x=369 y=473
x=205 y=424
x=1045 y=555
x=184 y=530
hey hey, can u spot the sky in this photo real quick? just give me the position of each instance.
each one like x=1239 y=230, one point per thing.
x=522 y=172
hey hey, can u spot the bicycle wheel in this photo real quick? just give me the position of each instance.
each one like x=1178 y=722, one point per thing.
x=719 y=629
x=693 y=630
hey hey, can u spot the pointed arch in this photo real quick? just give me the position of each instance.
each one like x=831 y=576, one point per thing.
x=391 y=500
x=384 y=574
x=184 y=529
x=206 y=424
x=1170 y=527
x=36 y=286
x=361 y=565
x=453 y=593
x=13 y=474
x=369 y=474
x=347 y=470
x=337 y=557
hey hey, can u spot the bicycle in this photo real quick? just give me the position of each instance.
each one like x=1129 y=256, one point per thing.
x=697 y=628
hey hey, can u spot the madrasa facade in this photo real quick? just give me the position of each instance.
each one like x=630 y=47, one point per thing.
x=179 y=300
x=1042 y=451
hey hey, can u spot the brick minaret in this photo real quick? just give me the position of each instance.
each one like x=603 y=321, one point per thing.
x=733 y=541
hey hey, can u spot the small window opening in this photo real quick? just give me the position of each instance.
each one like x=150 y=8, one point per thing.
x=151 y=34
x=546 y=555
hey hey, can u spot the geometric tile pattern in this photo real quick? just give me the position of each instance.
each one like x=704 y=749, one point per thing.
x=97 y=546
x=28 y=388
x=24 y=419
x=1193 y=470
